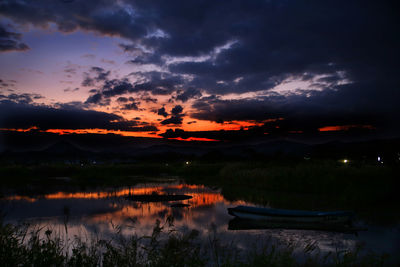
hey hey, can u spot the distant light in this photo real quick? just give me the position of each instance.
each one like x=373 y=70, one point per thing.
x=187 y=162
x=379 y=158
x=345 y=161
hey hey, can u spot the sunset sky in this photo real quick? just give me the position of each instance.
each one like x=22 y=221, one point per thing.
x=146 y=68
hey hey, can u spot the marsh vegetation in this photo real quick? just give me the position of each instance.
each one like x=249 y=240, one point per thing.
x=164 y=247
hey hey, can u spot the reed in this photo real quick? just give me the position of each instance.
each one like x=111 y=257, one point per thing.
x=164 y=247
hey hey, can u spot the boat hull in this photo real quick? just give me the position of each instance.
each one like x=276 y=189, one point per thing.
x=296 y=216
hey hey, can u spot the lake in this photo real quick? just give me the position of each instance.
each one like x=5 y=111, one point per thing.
x=101 y=212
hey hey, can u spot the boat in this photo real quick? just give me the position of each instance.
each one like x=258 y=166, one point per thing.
x=298 y=216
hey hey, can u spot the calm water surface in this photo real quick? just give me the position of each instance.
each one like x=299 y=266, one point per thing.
x=101 y=212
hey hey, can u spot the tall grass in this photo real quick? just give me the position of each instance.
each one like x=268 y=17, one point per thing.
x=164 y=247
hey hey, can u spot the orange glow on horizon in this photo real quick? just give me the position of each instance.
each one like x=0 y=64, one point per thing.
x=200 y=125
x=85 y=131
x=344 y=128
x=102 y=131
x=20 y=130
x=203 y=125
x=196 y=125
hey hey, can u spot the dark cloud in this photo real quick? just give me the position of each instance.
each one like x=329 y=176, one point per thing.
x=94 y=99
x=149 y=99
x=231 y=135
x=293 y=38
x=176 y=115
x=162 y=112
x=131 y=48
x=177 y=110
x=122 y=99
x=177 y=120
x=128 y=103
x=71 y=105
x=11 y=41
x=243 y=109
x=146 y=58
x=105 y=17
x=21 y=115
x=117 y=87
x=7 y=84
x=24 y=98
x=147 y=128
x=188 y=94
x=110 y=88
x=271 y=131
x=100 y=75
x=308 y=112
x=130 y=106
x=87 y=81
x=71 y=89
x=159 y=84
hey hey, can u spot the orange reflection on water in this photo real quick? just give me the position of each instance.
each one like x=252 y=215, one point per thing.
x=201 y=195
x=148 y=212
x=106 y=194
x=113 y=209
x=25 y=198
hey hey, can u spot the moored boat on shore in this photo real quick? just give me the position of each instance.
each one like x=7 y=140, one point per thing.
x=283 y=215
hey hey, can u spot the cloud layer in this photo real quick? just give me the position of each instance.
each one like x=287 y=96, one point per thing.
x=11 y=41
x=224 y=60
x=25 y=114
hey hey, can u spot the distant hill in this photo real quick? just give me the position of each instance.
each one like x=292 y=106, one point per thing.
x=63 y=148
x=113 y=147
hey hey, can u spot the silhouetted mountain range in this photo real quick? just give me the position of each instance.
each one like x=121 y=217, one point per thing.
x=47 y=146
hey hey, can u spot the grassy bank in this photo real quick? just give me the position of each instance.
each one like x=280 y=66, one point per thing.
x=165 y=247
